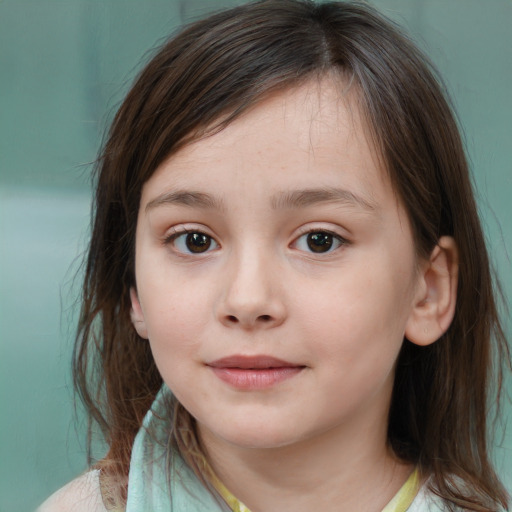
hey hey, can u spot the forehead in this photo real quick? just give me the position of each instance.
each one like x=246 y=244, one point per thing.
x=311 y=132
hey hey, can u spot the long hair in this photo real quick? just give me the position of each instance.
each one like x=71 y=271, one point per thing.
x=205 y=77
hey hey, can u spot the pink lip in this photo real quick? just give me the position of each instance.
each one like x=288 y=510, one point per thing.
x=253 y=372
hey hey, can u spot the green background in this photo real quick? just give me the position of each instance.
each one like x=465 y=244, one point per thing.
x=64 y=67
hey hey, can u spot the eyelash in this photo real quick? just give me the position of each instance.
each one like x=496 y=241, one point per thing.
x=333 y=243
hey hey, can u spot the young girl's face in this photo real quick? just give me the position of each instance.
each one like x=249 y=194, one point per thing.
x=276 y=274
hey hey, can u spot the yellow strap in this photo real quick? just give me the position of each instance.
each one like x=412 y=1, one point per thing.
x=400 y=502
x=234 y=504
x=405 y=496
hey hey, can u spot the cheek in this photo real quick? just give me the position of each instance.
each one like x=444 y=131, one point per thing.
x=171 y=302
x=175 y=346
x=176 y=317
x=360 y=315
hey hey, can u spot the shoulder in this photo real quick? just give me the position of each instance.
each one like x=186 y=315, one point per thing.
x=80 y=495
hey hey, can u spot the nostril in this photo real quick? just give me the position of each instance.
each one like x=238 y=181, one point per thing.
x=233 y=319
x=265 y=318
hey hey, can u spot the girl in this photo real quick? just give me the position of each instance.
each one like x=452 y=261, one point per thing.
x=287 y=302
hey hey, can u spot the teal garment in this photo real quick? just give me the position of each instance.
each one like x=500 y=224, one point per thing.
x=148 y=487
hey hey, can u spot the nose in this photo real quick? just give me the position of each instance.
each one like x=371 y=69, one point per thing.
x=252 y=296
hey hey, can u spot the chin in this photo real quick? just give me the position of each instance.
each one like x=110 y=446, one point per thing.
x=257 y=436
x=259 y=441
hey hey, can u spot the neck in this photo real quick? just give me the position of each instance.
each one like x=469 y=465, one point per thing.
x=338 y=470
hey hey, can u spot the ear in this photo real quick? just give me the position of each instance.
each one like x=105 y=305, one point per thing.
x=434 y=303
x=137 y=316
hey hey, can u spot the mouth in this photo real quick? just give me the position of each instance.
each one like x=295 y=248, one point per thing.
x=254 y=372
x=251 y=362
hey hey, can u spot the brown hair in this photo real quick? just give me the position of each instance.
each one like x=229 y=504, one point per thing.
x=197 y=83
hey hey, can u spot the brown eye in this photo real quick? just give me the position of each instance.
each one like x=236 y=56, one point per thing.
x=198 y=242
x=320 y=242
x=192 y=242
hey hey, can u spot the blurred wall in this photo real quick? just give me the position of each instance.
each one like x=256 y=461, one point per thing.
x=64 y=66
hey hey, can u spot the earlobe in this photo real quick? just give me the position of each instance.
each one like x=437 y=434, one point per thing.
x=137 y=316
x=434 y=303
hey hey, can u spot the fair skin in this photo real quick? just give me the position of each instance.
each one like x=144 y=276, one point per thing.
x=276 y=279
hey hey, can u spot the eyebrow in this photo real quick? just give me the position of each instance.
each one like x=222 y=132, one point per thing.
x=310 y=197
x=186 y=198
x=294 y=199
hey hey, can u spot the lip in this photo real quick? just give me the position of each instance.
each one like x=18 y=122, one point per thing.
x=253 y=372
